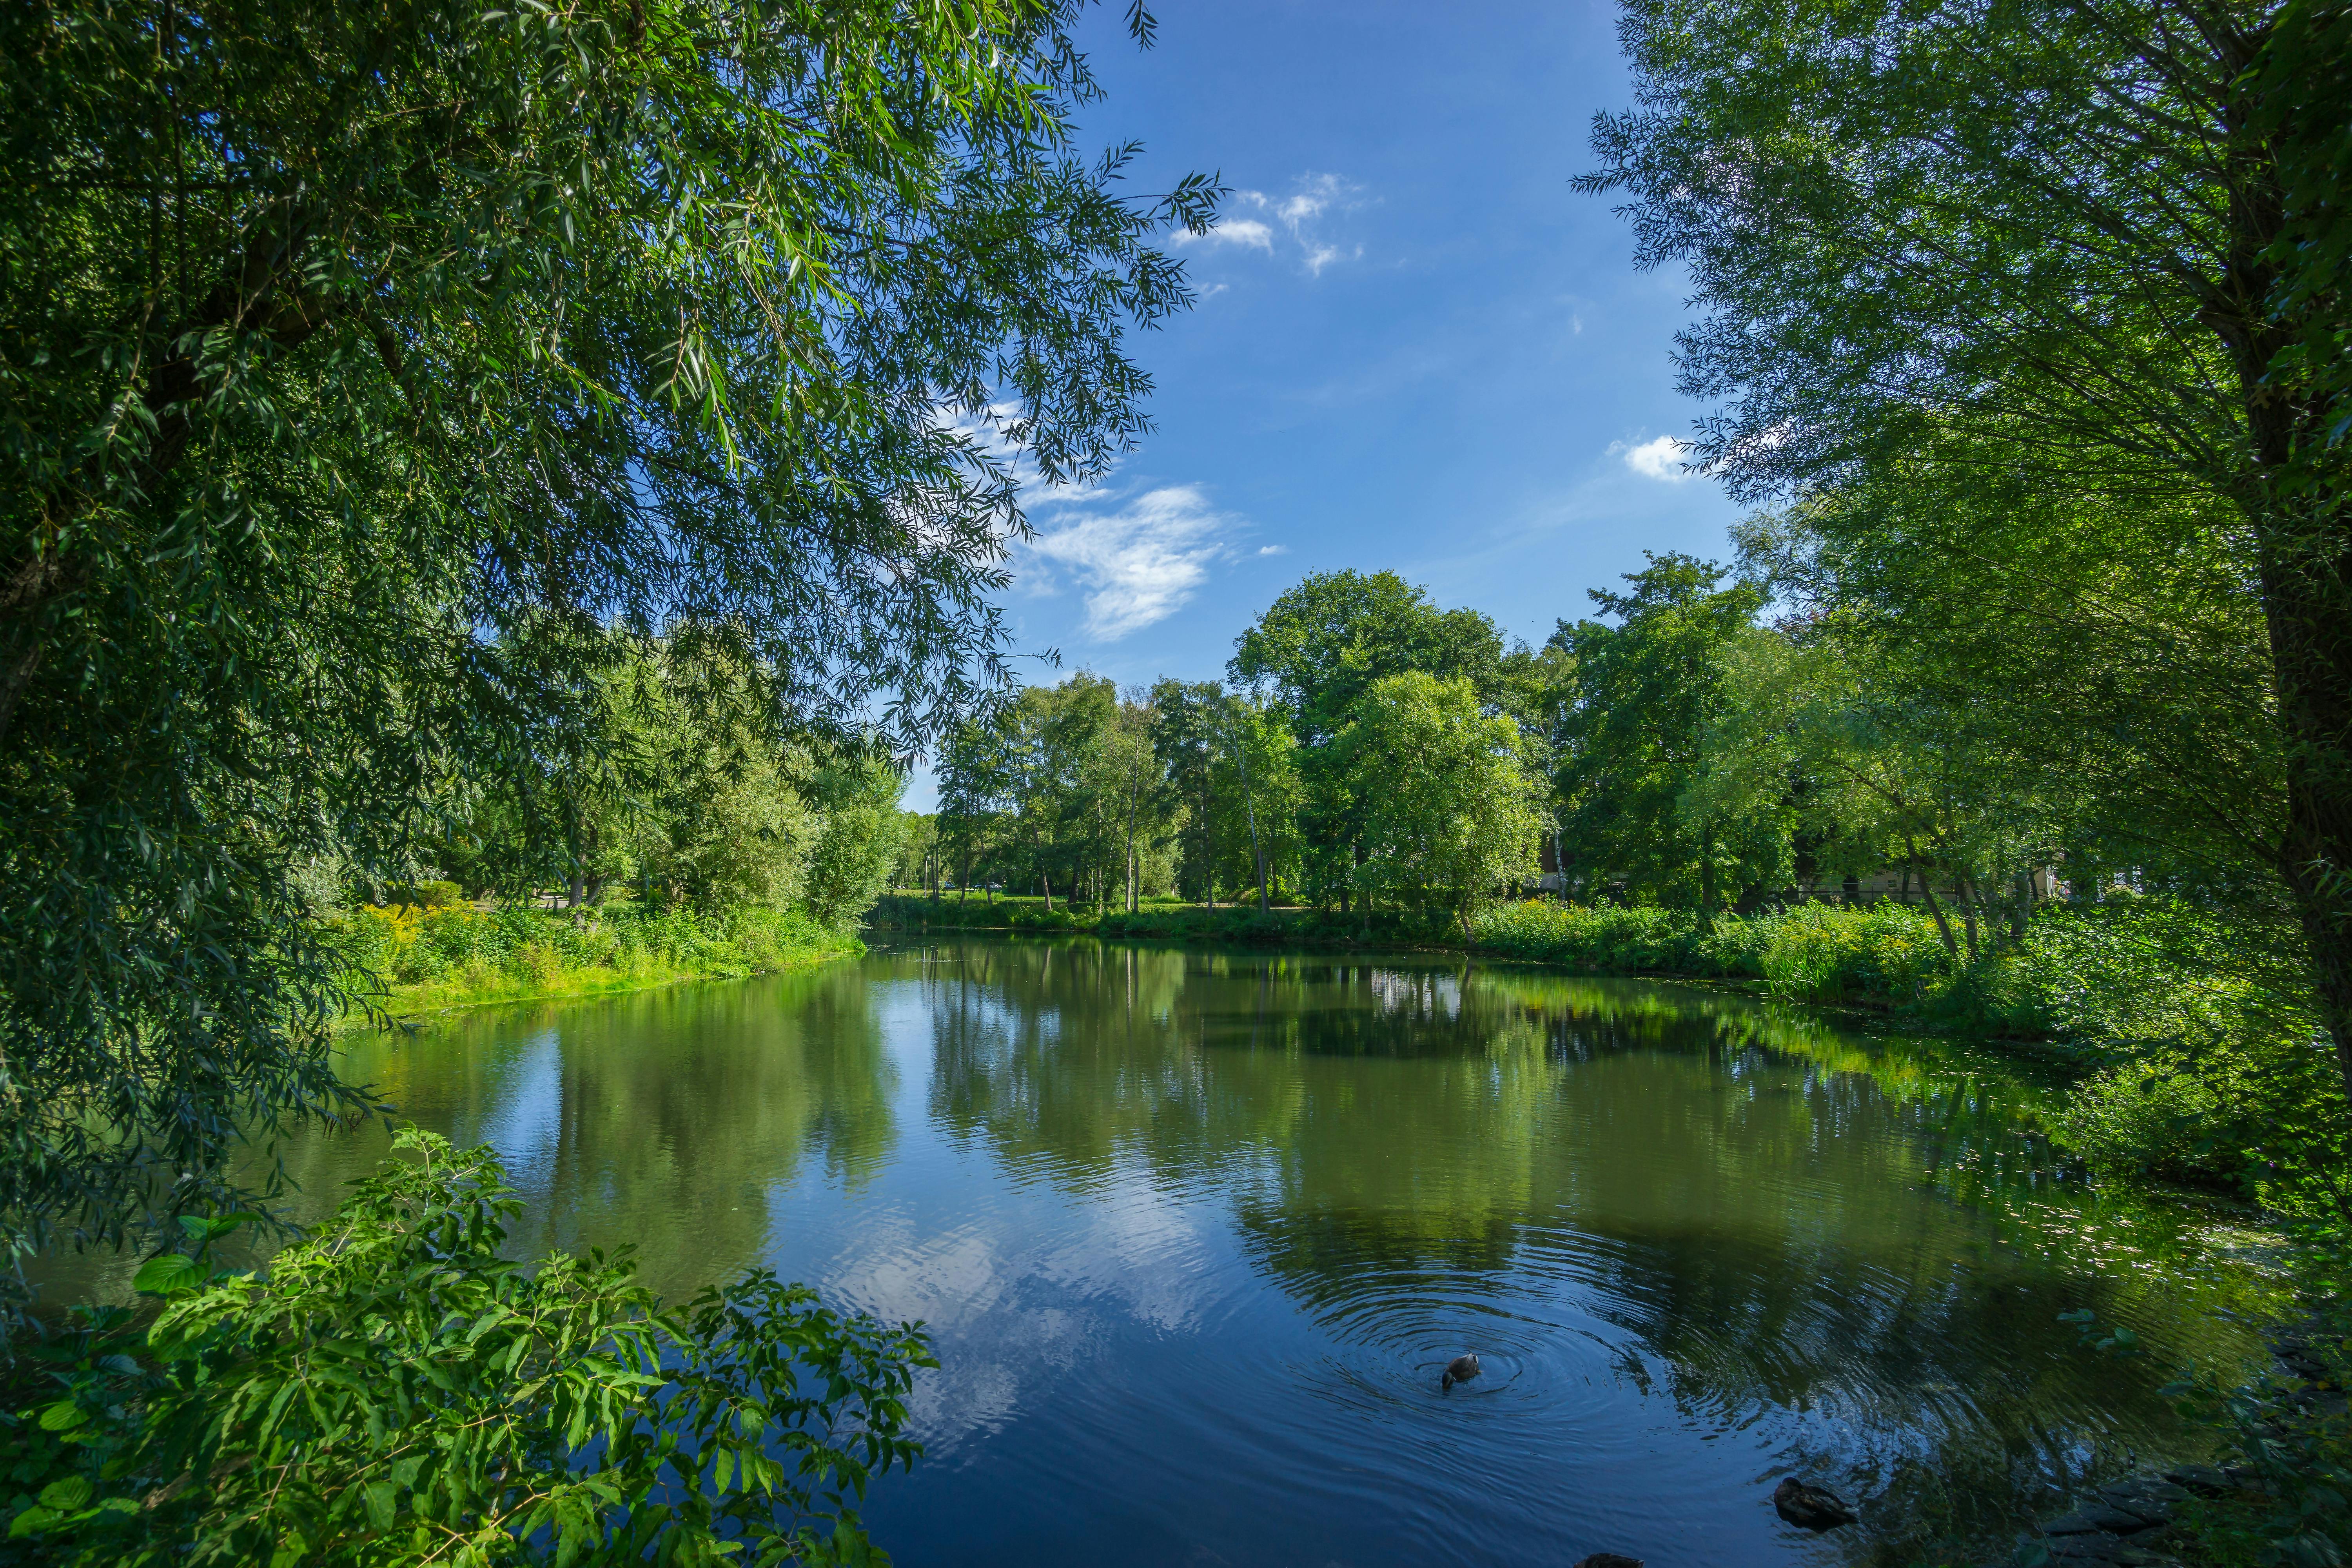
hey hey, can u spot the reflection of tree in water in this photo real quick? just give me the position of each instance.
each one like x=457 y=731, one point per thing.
x=1782 y=1216
x=668 y=1117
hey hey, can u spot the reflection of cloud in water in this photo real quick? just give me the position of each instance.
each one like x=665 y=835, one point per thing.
x=1012 y=1312
x=1139 y=1249
x=965 y=1290
x=524 y=1118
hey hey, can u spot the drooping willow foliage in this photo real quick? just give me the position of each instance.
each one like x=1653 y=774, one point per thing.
x=365 y=367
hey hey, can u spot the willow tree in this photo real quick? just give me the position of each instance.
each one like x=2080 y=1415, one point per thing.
x=365 y=364
x=2097 y=242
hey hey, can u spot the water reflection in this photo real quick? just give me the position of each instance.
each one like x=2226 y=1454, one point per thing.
x=1196 y=1230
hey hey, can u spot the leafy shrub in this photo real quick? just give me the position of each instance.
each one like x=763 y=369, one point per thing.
x=1821 y=952
x=518 y=946
x=435 y=895
x=396 y=1392
x=1603 y=939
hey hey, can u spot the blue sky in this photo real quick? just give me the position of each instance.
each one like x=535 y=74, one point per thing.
x=1416 y=349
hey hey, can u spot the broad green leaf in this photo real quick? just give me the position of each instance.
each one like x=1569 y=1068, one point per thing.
x=65 y=1495
x=166 y=1274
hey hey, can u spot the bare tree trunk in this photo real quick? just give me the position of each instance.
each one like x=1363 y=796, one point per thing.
x=1045 y=880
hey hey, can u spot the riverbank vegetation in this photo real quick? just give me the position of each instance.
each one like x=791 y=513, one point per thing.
x=407 y=959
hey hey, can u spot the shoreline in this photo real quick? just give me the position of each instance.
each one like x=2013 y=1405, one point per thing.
x=1319 y=930
x=420 y=999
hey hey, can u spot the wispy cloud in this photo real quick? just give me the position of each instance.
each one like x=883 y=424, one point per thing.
x=1297 y=226
x=1138 y=560
x=1245 y=231
x=1659 y=459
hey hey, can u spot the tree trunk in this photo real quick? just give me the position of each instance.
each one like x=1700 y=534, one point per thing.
x=2303 y=517
x=2311 y=651
x=1207 y=844
x=1707 y=879
x=1928 y=887
x=1249 y=808
x=1045 y=880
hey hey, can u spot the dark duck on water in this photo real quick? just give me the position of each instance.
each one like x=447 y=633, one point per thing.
x=1461 y=1369
x=1809 y=1506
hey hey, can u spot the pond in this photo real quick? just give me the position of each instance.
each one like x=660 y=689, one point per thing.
x=1196 y=1232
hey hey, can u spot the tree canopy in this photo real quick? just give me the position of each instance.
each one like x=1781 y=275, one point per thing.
x=2087 y=248
x=370 y=367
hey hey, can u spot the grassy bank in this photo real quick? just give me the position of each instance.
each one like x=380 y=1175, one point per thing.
x=428 y=959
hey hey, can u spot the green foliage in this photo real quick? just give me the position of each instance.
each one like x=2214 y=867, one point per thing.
x=457 y=955
x=1639 y=699
x=857 y=842
x=1449 y=812
x=1326 y=641
x=394 y=1391
x=1316 y=651
x=383 y=378
x=437 y=895
x=2034 y=311
x=1229 y=777
x=1058 y=794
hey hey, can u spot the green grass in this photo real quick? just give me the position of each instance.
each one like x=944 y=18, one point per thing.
x=434 y=960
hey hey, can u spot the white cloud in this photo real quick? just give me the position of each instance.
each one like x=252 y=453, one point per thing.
x=1300 y=215
x=1273 y=549
x=1658 y=459
x=1233 y=231
x=1322 y=255
x=1140 y=563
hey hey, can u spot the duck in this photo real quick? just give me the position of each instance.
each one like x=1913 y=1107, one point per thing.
x=1808 y=1506
x=1461 y=1369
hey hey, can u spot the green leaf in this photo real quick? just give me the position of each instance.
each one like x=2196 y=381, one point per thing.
x=167 y=1274
x=383 y=1504
x=33 y=1520
x=70 y=1493
x=62 y=1416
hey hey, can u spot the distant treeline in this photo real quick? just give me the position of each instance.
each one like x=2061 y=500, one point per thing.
x=1374 y=751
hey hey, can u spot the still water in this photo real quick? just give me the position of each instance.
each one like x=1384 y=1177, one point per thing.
x=1194 y=1233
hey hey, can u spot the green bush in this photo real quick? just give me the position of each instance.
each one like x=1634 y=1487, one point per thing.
x=1601 y=939
x=394 y=1391
x=408 y=945
x=440 y=895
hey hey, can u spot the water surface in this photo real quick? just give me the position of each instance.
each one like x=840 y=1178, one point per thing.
x=1194 y=1233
